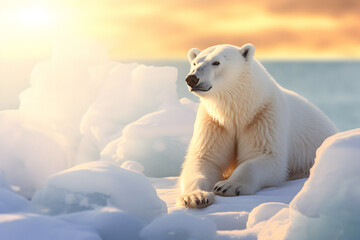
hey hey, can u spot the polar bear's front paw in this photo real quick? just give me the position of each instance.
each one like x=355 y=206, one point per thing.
x=231 y=188
x=196 y=199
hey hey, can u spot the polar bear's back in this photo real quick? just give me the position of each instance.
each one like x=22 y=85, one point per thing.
x=308 y=128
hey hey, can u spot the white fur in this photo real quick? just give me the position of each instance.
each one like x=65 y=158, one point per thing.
x=249 y=133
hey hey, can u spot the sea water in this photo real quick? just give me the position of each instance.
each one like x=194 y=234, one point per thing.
x=333 y=86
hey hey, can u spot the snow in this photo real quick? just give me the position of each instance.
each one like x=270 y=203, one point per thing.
x=179 y=226
x=10 y=201
x=109 y=223
x=263 y=212
x=228 y=220
x=95 y=184
x=329 y=199
x=20 y=226
x=232 y=213
x=276 y=227
x=327 y=207
x=95 y=148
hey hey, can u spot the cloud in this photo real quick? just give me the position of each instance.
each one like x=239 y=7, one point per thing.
x=290 y=43
x=271 y=26
x=163 y=29
x=262 y=40
x=330 y=7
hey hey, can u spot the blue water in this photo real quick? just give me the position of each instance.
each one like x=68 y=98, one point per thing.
x=333 y=86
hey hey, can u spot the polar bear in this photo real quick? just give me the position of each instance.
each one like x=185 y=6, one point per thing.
x=249 y=132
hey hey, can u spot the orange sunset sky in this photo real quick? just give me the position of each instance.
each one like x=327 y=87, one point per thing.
x=139 y=29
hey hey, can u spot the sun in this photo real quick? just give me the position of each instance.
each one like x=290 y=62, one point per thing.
x=28 y=29
x=36 y=16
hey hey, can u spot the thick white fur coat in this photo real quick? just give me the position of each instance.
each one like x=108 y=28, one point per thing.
x=249 y=134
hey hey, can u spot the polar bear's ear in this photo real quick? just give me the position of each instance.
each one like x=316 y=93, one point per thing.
x=193 y=53
x=247 y=51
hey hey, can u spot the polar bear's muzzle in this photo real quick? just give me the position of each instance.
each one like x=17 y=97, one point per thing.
x=191 y=81
x=194 y=85
x=202 y=87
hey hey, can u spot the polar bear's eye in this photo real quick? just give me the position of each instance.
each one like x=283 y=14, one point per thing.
x=215 y=63
x=194 y=64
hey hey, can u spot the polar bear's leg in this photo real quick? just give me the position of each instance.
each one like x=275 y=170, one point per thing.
x=210 y=150
x=262 y=153
x=197 y=181
x=252 y=175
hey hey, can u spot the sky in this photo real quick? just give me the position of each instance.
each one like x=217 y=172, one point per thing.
x=144 y=29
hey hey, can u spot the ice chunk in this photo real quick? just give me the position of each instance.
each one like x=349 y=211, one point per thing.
x=133 y=166
x=179 y=226
x=29 y=152
x=63 y=87
x=130 y=92
x=263 y=212
x=327 y=207
x=109 y=223
x=90 y=185
x=88 y=101
x=32 y=226
x=158 y=140
x=108 y=113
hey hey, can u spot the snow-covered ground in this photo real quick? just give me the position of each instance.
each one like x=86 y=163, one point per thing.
x=95 y=147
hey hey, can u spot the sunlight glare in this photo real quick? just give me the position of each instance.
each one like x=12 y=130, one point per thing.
x=35 y=16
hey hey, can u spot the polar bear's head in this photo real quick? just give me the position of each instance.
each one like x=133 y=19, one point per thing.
x=216 y=68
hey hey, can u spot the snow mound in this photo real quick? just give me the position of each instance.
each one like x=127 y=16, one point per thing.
x=327 y=207
x=263 y=212
x=179 y=226
x=96 y=184
x=29 y=152
x=228 y=220
x=3 y=182
x=9 y=201
x=32 y=226
x=158 y=141
x=276 y=227
x=109 y=223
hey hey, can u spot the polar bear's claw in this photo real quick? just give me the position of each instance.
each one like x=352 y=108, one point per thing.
x=231 y=188
x=196 y=199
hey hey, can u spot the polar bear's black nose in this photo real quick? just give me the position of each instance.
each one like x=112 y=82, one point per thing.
x=192 y=80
